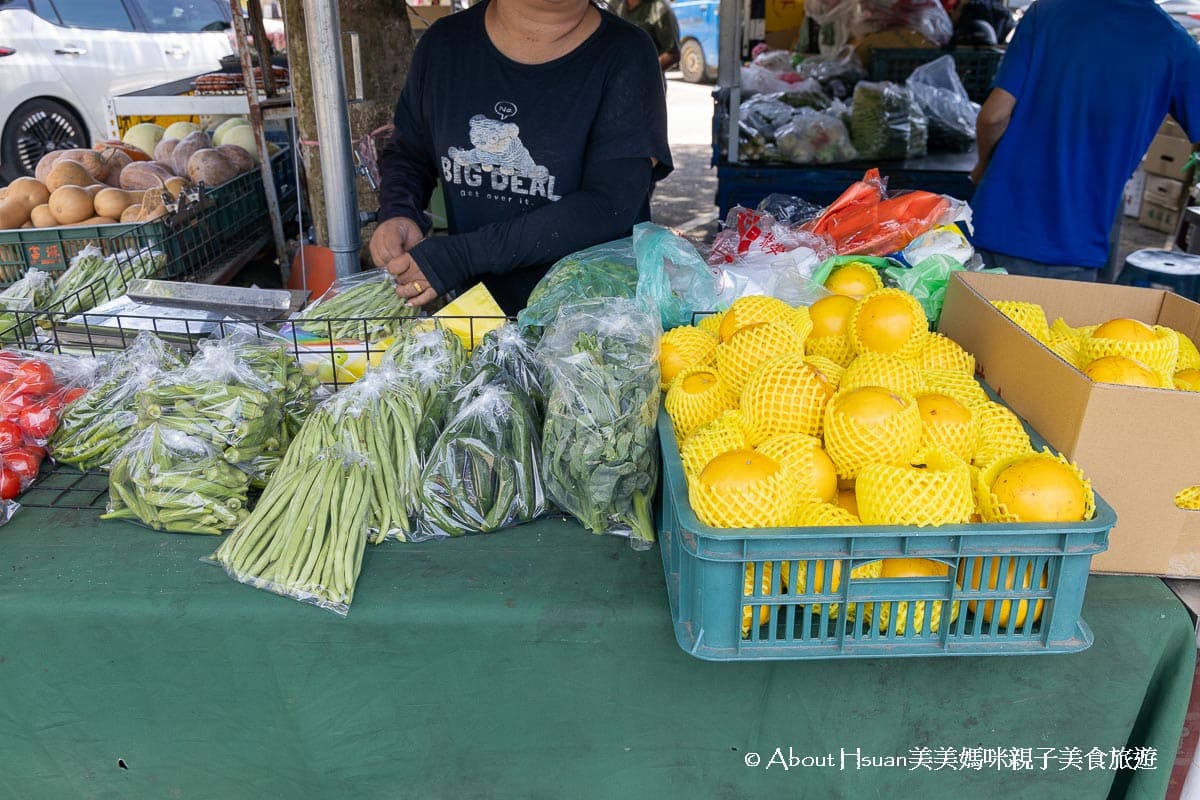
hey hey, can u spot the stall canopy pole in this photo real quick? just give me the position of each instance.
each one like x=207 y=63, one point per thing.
x=323 y=25
x=729 y=68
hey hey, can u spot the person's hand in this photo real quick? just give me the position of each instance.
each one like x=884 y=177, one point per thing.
x=975 y=176
x=393 y=238
x=411 y=284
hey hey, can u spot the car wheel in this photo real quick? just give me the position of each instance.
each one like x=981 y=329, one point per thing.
x=691 y=62
x=35 y=128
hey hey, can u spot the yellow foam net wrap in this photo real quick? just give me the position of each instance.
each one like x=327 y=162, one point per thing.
x=784 y=395
x=1159 y=354
x=1001 y=434
x=953 y=383
x=697 y=396
x=1188 y=499
x=754 y=310
x=765 y=503
x=796 y=575
x=993 y=510
x=738 y=357
x=838 y=349
x=711 y=323
x=853 y=444
x=797 y=454
x=802 y=322
x=1029 y=317
x=766 y=570
x=682 y=348
x=942 y=352
x=937 y=492
x=832 y=370
x=959 y=438
x=1066 y=348
x=879 y=369
x=892 y=617
x=726 y=432
x=821 y=515
x=868 y=326
x=1189 y=357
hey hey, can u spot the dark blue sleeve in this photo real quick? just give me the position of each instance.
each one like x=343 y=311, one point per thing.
x=612 y=195
x=407 y=165
x=1185 y=99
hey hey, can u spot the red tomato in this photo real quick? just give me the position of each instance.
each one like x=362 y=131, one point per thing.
x=11 y=436
x=38 y=420
x=10 y=484
x=71 y=395
x=8 y=355
x=25 y=462
x=34 y=377
x=10 y=407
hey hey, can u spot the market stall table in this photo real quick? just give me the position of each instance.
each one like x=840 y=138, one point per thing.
x=536 y=662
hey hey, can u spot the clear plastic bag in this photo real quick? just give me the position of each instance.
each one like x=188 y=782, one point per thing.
x=837 y=72
x=940 y=93
x=836 y=18
x=360 y=307
x=944 y=240
x=926 y=17
x=757 y=79
x=599 y=446
x=762 y=115
x=484 y=472
x=788 y=209
x=510 y=349
x=174 y=482
x=672 y=277
x=604 y=270
x=306 y=536
x=886 y=122
x=432 y=357
x=814 y=138
x=756 y=254
x=29 y=293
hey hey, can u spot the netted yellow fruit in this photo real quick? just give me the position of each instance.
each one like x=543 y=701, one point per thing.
x=948 y=424
x=821 y=515
x=881 y=369
x=797 y=572
x=830 y=316
x=742 y=489
x=893 y=617
x=1159 y=352
x=813 y=477
x=696 y=397
x=854 y=279
x=1004 y=611
x=1189 y=356
x=738 y=357
x=766 y=570
x=942 y=352
x=1122 y=370
x=754 y=309
x=848 y=500
x=1030 y=317
x=802 y=323
x=725 y=433
x=684 y=347
x=962 y=387
x=936 y=492
x=1035 y=487
x=1126 y=330
x=830 y=370
x=838 y=349
x=1187 y=380
x=870 y=425
x=784 y=395
x=1001 y=434
x=889 y=321
x=711 y=323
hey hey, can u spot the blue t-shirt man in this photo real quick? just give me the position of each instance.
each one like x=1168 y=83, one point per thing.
x=1082 y=90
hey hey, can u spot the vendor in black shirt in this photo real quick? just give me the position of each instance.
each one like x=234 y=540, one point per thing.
x=546 y=122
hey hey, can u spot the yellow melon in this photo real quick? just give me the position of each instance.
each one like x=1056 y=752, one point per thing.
x=742 y=489
x=889 y=321
x=754 y=310
x=682 y=348
x=785 y=395
x=696 y=397
x=752 y=345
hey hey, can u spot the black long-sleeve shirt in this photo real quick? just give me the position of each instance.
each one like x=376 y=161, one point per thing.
x=537 y=160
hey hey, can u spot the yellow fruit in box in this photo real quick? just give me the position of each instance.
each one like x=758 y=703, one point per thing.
x=831 y=371
x=739 y=356
x=953 y=383
x=936 y=491
x=853 y=279
x=889 y=321
x=696 y=397
x=1030 y=317
x=1122 y=370
x=948 y=424
x=809 y=514
x=943 y=353
x=848 y=500
x=870 y=425
x=471 y=315
x=742 y=489
x=1155 y=347
x=684 y=347
x=754 y=310
x=830 y=316
x=1124 y=329
x=813 y=477
x=725 y=433
x=1187 y=380
x=798 y=572
x=976 y=568
x=1035 y=487
x=1189 y=356
x=802 y=323
x=1001 y=434
x=893 y=617
x=784 y=395
x=881 y=369
x=764 y=612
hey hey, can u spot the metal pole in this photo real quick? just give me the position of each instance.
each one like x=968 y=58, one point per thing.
x=729 y=69
x=324 y=31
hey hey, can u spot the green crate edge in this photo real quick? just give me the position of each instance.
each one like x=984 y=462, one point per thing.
x=673 y=502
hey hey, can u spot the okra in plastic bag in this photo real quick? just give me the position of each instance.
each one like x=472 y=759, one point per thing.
x=484 y=473
x=363 y=307
x=306 y=536
x=599 y=446
x=174 y=482
x=510 y=349
x=603 y=270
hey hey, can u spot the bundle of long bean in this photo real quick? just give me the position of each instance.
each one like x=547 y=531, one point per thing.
x=305 y=538
x=31 y=292
x=94 y=278
x=363 y=307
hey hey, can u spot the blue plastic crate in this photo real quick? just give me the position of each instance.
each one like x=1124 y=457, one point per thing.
x=706 y=568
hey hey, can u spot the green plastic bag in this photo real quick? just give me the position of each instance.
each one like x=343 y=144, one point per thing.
x=927 y=282
x=601 y=271
x=672 y=277
x=880 y=264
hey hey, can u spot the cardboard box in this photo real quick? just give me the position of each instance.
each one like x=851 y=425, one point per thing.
x=1158 y=218
x=1165 y=191
x=420 y=17
x=1168 y=157
x=1137 y=445
x=1135 y=187
x=1172 y=129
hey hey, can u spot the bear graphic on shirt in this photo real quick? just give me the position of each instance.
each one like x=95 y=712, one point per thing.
x=497 y=146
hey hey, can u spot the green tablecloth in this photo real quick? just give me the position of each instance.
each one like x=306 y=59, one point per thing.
x=533 y=663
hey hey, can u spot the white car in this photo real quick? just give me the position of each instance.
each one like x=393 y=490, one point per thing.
x=60 y=60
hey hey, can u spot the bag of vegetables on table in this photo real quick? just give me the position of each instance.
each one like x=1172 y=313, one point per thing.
x=603 y=270
x=174 y=482
x=98 y=424
x=363 y=307
x=93 y=278
x=17 y=302
x=306 y=536
x=483 y=472
x=510 y=349
x=599 y=447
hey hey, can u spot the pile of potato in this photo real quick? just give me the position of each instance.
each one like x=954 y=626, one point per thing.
x=117 y=182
